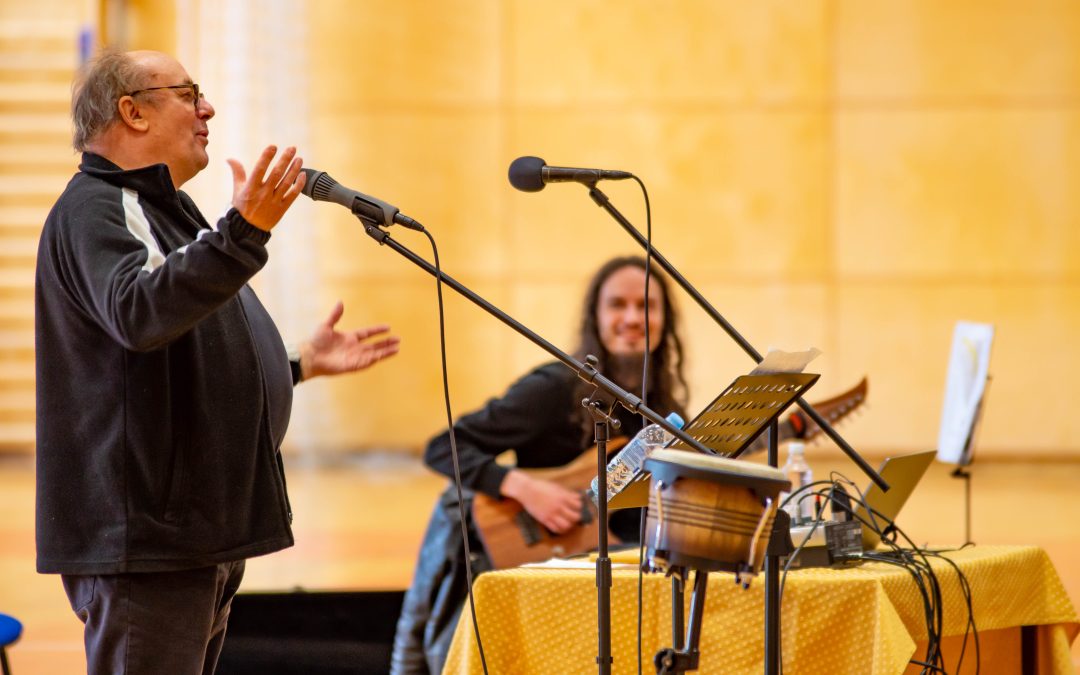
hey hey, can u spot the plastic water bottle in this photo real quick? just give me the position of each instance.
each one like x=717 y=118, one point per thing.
x=626 y=464
x=799 y=473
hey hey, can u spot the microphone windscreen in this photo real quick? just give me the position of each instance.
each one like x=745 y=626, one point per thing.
x=319 y=185
x=526 y=174
x=309 y=182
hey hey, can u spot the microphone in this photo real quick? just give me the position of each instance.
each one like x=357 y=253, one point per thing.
x=530 y=174
x=322 y=188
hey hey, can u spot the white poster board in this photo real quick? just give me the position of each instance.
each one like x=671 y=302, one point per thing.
x=965 y=385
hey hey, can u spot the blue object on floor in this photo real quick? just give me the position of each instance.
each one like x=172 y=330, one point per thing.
x=10 y=630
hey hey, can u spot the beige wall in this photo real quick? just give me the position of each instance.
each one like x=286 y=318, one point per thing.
x=38 y=55
x=854 y=175
x=847 y=174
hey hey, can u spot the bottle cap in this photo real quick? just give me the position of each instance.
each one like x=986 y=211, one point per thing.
x=675 y=419
x=796 y=448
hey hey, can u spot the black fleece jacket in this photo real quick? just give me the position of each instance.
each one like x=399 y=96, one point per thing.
x=163 y=386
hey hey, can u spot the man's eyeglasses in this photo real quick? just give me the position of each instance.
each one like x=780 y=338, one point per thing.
x=194 y=88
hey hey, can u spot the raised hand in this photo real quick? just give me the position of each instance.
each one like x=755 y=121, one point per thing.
x=330 y=351
x=263 y=198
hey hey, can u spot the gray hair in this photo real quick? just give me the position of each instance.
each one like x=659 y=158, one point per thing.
x=101 y=82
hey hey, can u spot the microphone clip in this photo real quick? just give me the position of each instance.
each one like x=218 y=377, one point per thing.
x=594 y=403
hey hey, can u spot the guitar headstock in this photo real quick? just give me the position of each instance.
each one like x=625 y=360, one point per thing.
x=833 y=410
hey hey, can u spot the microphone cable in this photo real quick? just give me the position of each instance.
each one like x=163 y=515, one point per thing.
x=462 y=514
x=922 y=574
x=644 y=511
x=914 y=560
x=324 y=189
x=969 y=628
x=803 y=492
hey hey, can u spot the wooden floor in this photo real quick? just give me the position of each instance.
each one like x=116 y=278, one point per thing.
x=358 y=526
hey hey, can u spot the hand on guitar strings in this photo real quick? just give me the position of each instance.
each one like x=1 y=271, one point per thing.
x=553 y=506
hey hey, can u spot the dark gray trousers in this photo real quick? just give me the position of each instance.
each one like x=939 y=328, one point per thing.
x=154 y=622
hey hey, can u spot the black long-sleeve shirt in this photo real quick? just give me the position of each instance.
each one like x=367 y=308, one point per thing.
x=536 y=418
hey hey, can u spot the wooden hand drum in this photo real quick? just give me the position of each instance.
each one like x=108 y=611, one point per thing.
x=709 y=513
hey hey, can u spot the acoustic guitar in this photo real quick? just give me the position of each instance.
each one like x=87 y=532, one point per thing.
x=512 y=537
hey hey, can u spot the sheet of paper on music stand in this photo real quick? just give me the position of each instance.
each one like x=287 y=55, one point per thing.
x=778 y=361
x=965 y=384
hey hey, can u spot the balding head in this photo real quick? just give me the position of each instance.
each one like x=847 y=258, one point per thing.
x=153 y=65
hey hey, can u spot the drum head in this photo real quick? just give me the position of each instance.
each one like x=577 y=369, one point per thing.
x=669 y=465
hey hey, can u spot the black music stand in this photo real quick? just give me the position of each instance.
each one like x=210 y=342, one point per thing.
x=741 y=412
x=967 y=457
x=728 y=425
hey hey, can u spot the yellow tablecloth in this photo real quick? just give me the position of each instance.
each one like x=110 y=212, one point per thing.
x=866 y=619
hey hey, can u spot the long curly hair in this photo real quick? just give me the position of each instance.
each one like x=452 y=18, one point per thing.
x=667 y=390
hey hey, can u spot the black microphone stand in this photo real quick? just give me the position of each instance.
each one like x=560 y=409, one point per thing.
x=602 y=423
x=589 y=373
x=603 y=202
x=771 y=567
x=771 y=563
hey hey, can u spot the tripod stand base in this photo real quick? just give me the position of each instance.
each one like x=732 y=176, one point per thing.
x=670 y=660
